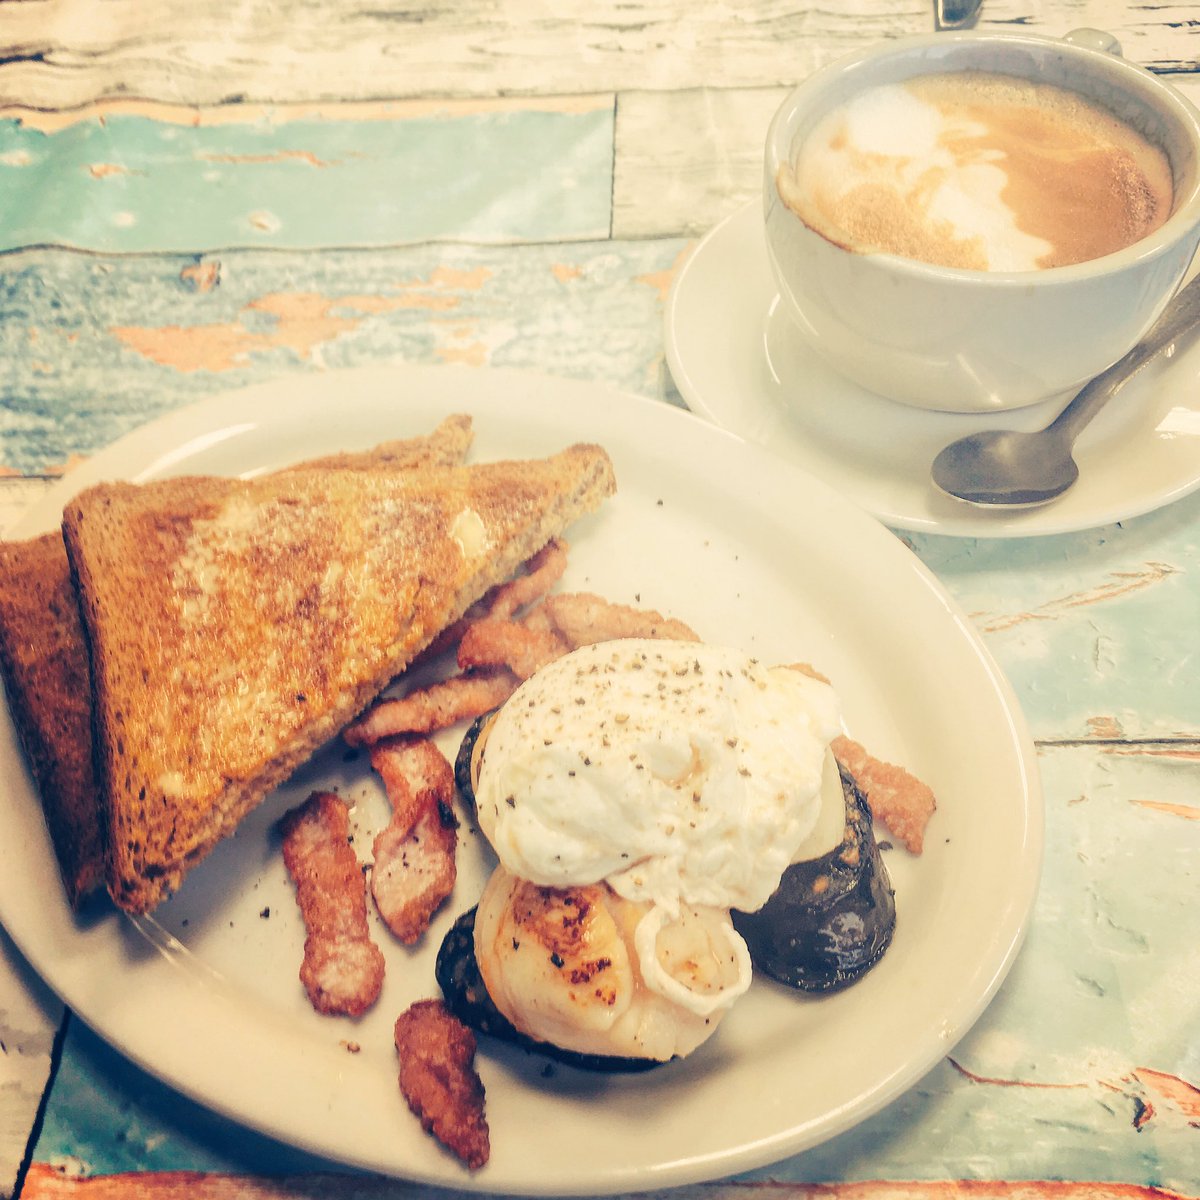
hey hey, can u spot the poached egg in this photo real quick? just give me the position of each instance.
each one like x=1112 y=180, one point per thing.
x=681 y=777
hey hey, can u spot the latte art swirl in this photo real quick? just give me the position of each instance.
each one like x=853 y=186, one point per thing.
x=976 y=170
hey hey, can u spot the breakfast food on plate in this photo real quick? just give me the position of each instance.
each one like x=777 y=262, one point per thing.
x=583 y=618
x=413 y=865
x=466 y=996
x=446 y=446
x=439 y=1081
x=635 y=791
x=896 y=797
x=43 y=660
x=828 y=921
x=833 y=915
x=662 y=810
x=235 y=626
x=425 y=709
x=536 y=578
x=44 y=664
x=496 y=653
x=342 y=971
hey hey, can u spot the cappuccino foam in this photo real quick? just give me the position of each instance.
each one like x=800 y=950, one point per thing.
x=977 y=170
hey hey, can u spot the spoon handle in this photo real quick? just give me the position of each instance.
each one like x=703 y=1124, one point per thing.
x=955 y=14
x=1181 y=316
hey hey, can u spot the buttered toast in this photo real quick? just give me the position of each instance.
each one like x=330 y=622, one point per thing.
x=235 y=626
x=44 y=663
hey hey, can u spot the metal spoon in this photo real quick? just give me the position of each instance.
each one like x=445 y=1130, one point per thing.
x=1007 y=468
x=955 y=14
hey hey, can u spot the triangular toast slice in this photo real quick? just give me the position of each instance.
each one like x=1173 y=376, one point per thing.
x=235 y=626
x=44 y=664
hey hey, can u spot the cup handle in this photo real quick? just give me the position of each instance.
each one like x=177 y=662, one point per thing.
x=1094 y=39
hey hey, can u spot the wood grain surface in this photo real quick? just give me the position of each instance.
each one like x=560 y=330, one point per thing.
x=198 y=197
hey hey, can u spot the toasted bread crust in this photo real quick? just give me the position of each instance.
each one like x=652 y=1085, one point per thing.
x=446 y=446
x=235 y=626
x=44 y=661
x=46 y=679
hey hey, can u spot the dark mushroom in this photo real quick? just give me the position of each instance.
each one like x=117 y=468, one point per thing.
x=831 y=918
x=466 y=769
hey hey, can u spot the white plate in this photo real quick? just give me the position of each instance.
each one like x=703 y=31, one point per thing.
x=737 y=362
x=749 y=550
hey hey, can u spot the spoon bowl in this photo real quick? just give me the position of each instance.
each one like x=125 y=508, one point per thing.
x=1004 y=468
x=1008 y=469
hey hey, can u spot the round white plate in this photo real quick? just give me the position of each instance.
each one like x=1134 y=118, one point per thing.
x=736 y=361
x=708 y=528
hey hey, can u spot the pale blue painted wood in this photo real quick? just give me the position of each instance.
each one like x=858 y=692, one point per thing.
x=1101 y=990
x=70 y=385
x=1099 y=631
x=126 y=183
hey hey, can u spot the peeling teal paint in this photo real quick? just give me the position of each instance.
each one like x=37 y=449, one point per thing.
x=71 y=386
x=129 y=184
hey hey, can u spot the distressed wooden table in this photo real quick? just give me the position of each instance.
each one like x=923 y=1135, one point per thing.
x=198 y=197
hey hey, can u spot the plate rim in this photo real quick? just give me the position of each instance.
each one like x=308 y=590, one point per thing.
x=195 y=417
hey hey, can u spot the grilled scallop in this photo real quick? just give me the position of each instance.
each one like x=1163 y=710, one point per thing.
x=562 y=964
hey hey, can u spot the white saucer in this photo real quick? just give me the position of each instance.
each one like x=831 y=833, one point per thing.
x=736 y=362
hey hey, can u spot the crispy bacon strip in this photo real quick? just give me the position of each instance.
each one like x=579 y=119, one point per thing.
x=537 y=576
x=497 y=652
x=342 y=971
x=414 y=855
x=541 y=573
x=522 y=647
x=428 y=709
x=439 y=1080
x=559 y=624
x=584 y=618
x=897 y=798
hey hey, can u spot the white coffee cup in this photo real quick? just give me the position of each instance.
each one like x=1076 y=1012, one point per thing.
x=965 y=340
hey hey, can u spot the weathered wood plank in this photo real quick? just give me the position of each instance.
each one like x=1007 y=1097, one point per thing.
x=365 y=172
x=664 y=181
x=47 y=1183
x=332 y=175
x=29 y=1020
x=1096 y=630
x=91 y=347
x=1162 y=36
x=135 y=181
x=59 y=55
x=211 y=54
